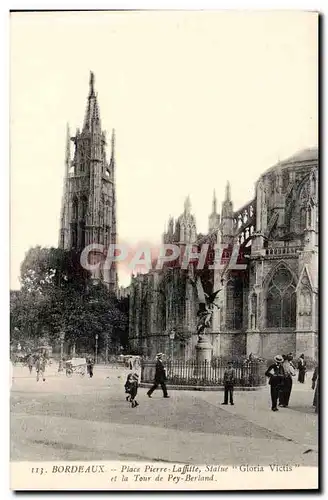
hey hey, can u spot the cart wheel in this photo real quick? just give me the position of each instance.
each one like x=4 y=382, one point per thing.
x=82 y=374
x=69 y=373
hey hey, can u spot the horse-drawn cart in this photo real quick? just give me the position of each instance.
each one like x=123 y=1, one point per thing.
x=77 y=366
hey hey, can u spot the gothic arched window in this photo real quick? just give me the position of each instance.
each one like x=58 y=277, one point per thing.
x=234 y=303
x=281 y=300
x=303 y=202
x=75 y=208
x=74 y=235
x=84 y=207
x=303 y=214
x=313 y=185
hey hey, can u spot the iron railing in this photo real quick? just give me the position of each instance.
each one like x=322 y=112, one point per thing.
x=193 y=373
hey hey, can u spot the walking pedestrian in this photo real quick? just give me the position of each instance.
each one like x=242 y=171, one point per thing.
x=40 y=367
x=134 y=389
x=229 y=382
x=287 y=384
x=127 y=386
x=160 y=377
x=30 y=362
x=276 y=375
x=315 y=387
x=90 y=365
x=301 y=369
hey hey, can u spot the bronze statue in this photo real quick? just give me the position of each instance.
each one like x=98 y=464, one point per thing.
x=206 y=308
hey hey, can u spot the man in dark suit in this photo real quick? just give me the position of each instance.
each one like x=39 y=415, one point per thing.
x=275 y=373
x=160 y=377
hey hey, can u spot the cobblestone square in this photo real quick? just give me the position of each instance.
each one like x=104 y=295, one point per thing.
x=80 y=418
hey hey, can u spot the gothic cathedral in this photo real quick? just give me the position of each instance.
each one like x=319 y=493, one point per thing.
x=268 y=302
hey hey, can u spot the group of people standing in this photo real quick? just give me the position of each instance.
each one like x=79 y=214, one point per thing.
x=281 y=374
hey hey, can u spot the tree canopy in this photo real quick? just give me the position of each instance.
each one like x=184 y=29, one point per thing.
x=58 y=296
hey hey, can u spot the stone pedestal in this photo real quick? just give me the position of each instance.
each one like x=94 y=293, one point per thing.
x=203 y=358
x=203 y=350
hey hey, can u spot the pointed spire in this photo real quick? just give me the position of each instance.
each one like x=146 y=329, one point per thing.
x=227 y=206
x=68 y=148
x=92 y=116
x=214 y=202
x=91 y=84
x=187 y=205
x=228 y=192
x=214 y=218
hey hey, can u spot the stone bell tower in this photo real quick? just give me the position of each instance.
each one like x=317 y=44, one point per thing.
x=88 y=212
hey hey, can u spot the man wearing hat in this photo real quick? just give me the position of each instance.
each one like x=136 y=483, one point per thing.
x=275 y=373
x=160 y=377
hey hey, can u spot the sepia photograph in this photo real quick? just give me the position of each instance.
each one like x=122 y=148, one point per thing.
x=164 y=250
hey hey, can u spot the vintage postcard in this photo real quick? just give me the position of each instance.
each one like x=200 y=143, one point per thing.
x=164 y=250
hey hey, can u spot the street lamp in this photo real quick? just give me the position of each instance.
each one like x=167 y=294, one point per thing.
x=96 y=337
x=62 y=337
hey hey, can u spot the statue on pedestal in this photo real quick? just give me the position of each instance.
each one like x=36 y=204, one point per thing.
x=206 y=308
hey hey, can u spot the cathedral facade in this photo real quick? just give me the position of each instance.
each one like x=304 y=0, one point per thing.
x=268 y=300
x=88 y=214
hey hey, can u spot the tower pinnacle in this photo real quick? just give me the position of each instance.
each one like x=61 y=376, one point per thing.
x=92 y=115
x=91 y=84
x=187 y=205
x=214 y=202
x=68 y=149
x=228 y=192
x=214 y=218
x=227 y=217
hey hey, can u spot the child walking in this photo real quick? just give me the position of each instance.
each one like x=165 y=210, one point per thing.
x=127 y=386
x=229 y=382
x=131 y=388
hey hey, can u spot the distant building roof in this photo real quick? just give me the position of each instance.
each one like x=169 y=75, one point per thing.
x=304 y=155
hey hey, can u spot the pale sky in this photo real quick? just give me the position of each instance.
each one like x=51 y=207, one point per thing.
x=196 y=98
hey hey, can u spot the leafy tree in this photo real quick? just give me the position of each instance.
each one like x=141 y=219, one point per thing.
x=58 y=295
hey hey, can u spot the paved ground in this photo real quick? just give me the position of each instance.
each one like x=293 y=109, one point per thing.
x=88 y=419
